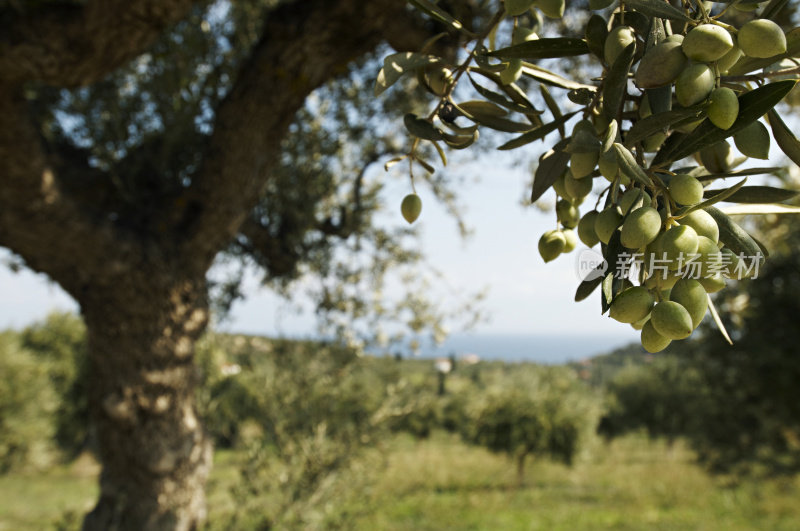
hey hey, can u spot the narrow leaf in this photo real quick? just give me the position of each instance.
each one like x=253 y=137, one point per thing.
x=550 y=78
x=656 y=33
x=397 y=64
x=772 y=9
x=752 y=106
x=461 y=141
x=459 y=130
x=427 y=166
x=722 y=195
x=393 y=161
x=610 y=136
x=482 y=108
x=543 y=49
x=732 y=235
x=587 y=287
x=784 y=137
x=629 y=166
x=607 y=293
x=499 y=99
x=512 y=90
x=537 y=134
x=421 y=128
x=757 y=195
x=657 y=8
x=596 y=34
x=616 y=83
x=441 y=153
x=551 y=165
x=757 y=209
x=657 y=122
x=660 y=99
x=436 y=12
x=553 y=106
x=718 y=321
x=700 y=173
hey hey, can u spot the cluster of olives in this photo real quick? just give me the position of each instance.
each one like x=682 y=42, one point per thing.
x=679 y=258
x=676 y=249
x=688 y=67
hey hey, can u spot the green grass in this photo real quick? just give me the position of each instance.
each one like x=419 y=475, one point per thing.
x=442 y=484
x=631 y=484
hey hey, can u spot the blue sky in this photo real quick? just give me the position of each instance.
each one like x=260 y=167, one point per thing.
x=525 y=296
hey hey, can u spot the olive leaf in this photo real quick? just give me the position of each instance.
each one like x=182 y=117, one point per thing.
x=628 y=165
x=538 y=133
x=756 y=209
x=612 y=284
x=784 y=137
x=551 y=165
x=397 y=64
x=657 y=122
x=499 y=99
x=752 y=106
x=616 y=82
x=460 y=130
x=553 y=106
x=610 y=136
x=721 y=195
x=656 y=33
x=596 y=34
x=441 y=153
x=550 y=78
x=489 y=115
x=436 y=12
x=732 y=235
x=421 y=128
x=772 y=9
x=512 y=90
x=460 y=141
x=607 y=294
x=482 y=108
x=657 y=8
x=703 y=175
x=587 y=287
x=543 y=49
x=660 y=99
x=393 y=161
x=756 y=195
x=718 y=321
x=427 y=166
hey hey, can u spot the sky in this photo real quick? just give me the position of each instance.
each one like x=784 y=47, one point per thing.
x=525 y=295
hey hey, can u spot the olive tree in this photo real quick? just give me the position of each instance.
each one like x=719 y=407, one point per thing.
x=142 y=138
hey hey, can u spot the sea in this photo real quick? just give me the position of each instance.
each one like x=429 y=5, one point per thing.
x=540 y=348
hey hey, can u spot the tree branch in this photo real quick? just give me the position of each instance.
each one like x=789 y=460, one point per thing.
x=69 y=44
x=37 y=221
x=305 y=44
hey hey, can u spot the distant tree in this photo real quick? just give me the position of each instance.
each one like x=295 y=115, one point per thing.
x=540 y=412
x=27 y=408
x=749 y=416
x=660 y=397
x=59 y=344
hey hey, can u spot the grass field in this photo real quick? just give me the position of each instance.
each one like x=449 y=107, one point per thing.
x=441 y=484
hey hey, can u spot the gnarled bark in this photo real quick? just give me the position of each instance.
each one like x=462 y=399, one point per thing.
x=155 y=453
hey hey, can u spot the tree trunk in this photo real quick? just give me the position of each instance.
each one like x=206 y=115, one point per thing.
x=153 y=449
x=521 y=469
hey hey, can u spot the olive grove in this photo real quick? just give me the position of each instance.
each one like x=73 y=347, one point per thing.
x=144 y=139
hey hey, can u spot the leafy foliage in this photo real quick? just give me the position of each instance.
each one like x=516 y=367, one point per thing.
x=631 y=130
